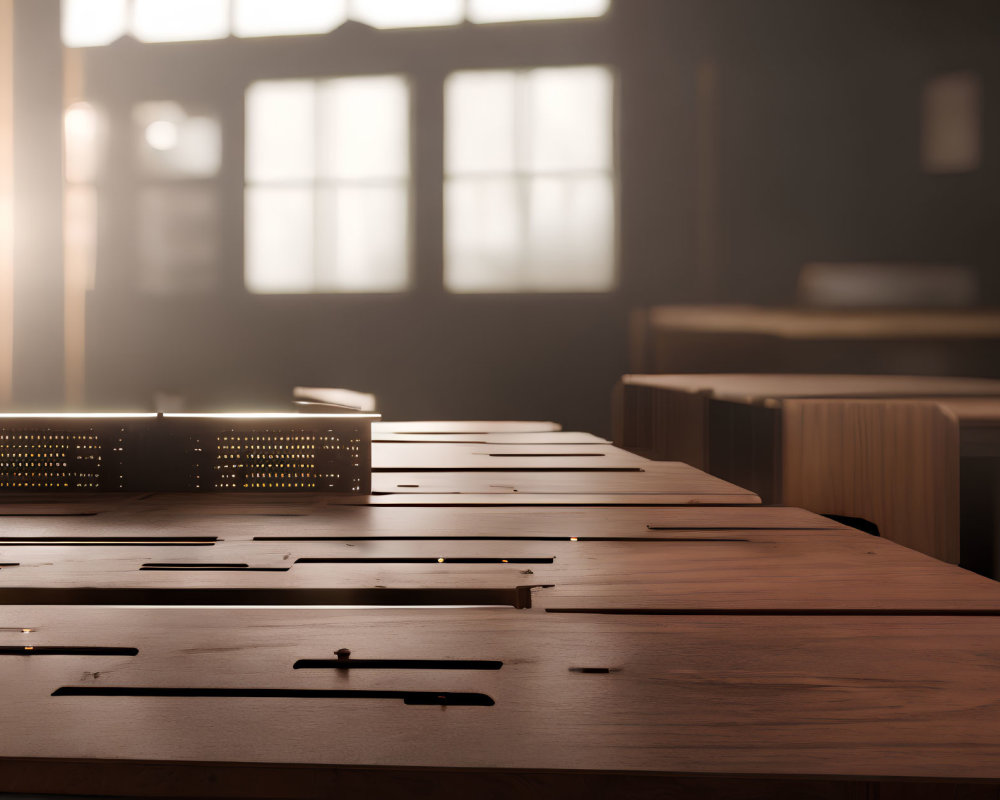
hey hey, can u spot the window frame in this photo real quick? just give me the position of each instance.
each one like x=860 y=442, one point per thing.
x=217 y=73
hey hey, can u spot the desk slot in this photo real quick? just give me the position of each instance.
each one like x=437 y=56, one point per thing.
x=785 y=612
x=652 y=527
x=409 y=698
x=558 y=468
x=9 y=564
x=49 y=513
x=393 y=663
x=202 y=567
x=108 y=541
x=662 y=539
x=426 y=560
x=516 y=597
x=51 y=650
x=549 y=455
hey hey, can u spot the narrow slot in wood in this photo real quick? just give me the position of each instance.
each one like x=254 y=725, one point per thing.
x=516 y=597
x=55 y=650
x=394 y=663
x=409 y=698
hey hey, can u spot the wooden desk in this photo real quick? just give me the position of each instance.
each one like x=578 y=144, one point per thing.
x=746 y=428
x=503 y=437
x=663 y=482
x=838 y=703
x=656 y=570
x=637 y=659
x=922 y=470
x=462 y=456
x=676 y=339
x=465 y=427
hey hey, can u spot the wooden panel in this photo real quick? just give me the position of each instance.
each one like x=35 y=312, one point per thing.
x=241 y=518
x=751 y=387
x=676 y=339
x=830 y=697
x=465 y=426
x=686 y=570
x=665 y=478
x=893 y=463
x=529 y=437
x=460 y=456
x=798 y=323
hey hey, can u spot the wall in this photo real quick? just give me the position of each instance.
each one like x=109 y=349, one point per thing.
x=753 y=137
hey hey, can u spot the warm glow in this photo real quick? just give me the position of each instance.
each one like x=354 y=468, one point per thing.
x=515 y=10
x=161 y=135
x=91 y=23
x=287 y=17
x=407 y=13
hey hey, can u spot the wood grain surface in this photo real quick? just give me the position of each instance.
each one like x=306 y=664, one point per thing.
x=465 y=426
x=528 y=437
x=693 y=570
x=459 y=456
x=681 y=641
x=754 y=695
x=892 y=462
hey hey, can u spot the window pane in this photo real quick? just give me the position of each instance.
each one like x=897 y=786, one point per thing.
x=83 y=129
x=569 y=117
x=484 y=235
x=479 y=122
x=89 y=23
x=178 y=249
x=511 y=10
x=175 y=144
x=279 y=240
x=364 y=127
x=179 y=20
x=407 y=13
x=362 y=238
x=570 y=234
x=288 y=17
x=280 y=123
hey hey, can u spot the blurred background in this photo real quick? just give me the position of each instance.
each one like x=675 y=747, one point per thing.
x=467 y=207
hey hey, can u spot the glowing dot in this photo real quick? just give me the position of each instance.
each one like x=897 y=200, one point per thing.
x=162 y=134
x=440 y=561
x=573 y=539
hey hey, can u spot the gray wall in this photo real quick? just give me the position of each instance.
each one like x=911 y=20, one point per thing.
x=806 y=150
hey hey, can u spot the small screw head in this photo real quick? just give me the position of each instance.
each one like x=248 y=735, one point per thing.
x=343 y=654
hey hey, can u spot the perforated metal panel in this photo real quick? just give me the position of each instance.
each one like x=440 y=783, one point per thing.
x=182 y=452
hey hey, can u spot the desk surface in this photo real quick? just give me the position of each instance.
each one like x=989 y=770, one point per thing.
x=464 y=455
x=658 y=569
x=802 y=323
x=672 y=638
x=761 y=387
x=750 y=695
x=465 y=426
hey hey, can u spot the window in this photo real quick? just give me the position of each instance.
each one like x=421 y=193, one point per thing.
x=529 y=194
x=327 y=185
x=178 y=154
x=90 y=23
x=529 y=188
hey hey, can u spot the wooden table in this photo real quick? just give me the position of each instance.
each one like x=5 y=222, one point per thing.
x=723 y=339
x=758 y=431
x=659 y=703
x=925 y=471
x=657 y=646
x=465 y=455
